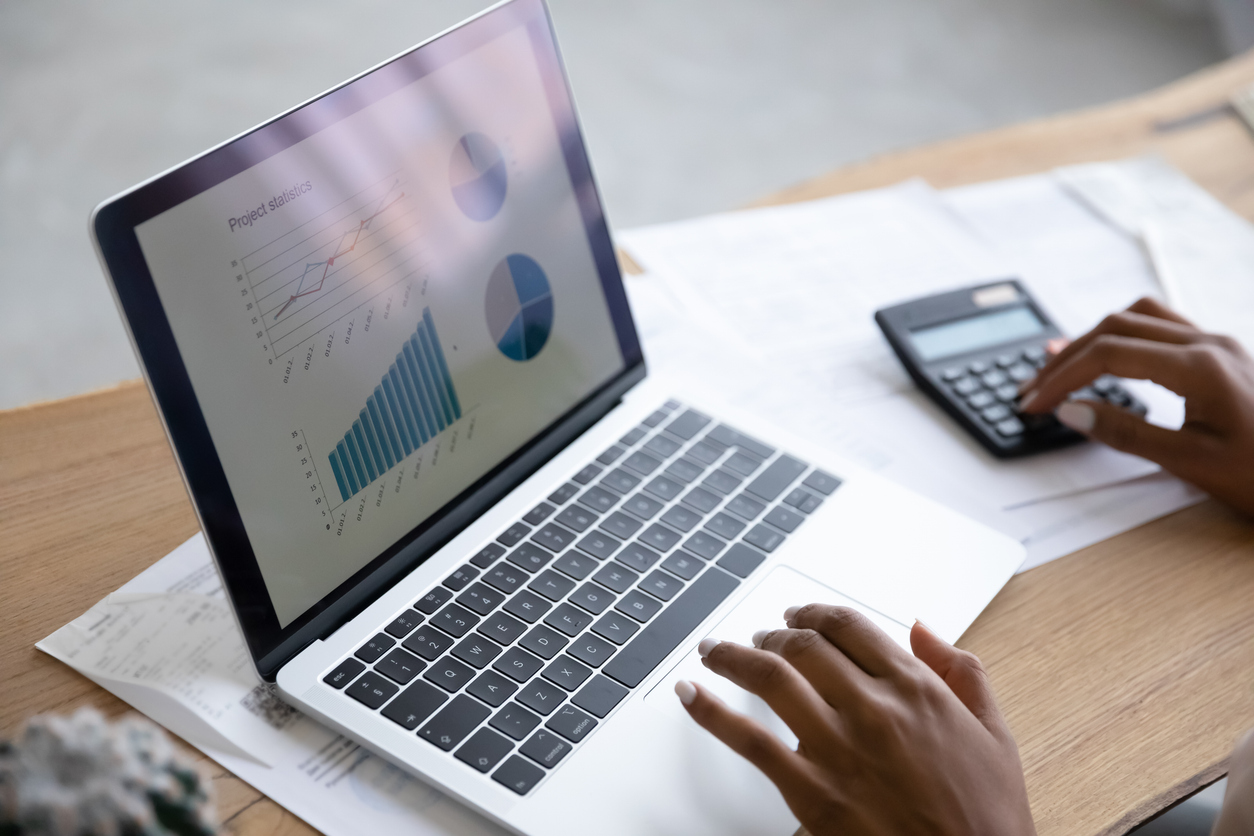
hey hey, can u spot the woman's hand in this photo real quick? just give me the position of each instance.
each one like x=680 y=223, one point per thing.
x=889 y=743
x=1214 y=449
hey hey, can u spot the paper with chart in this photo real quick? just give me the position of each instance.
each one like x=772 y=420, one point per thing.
x=167 y=643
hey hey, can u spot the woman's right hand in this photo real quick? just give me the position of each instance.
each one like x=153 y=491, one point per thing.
x=1214 y=449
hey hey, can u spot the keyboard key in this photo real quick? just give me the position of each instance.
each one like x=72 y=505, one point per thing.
x=766 y=539
x=822 y=482
x=552 y=585
x=616 y=577
x=643 y=653
x=543 y=642
x=518 y=664
x=415 y=704
x=492 y=688
x=571 y=723
x=779 y=475
x=567 y=673
x=449 y=674
x=400 y=666
x=642 y=506
x=725 y=526
x=599 y=500
x=592 y=598
x=740 y=560
x=545 y=748
x=803 y=500
x=591 y=650
x=638 y=605
x=519 y=775
x=428 y=643
x=541 y=696
x=530 y=608
x=372 y=690
x=488 y=555
x=506 y=577
x=373 y=649
x=620 y=525
x=530 y=557
x=745 y=507
x=722 y=481
x=705 y=545
x=662 y=446
x=433 y=600
x=616 y=627
x=575 y=564
x=632 y=437
x=539 y=514
x=515 y=721
x=638 y=557
x=681 y=519
x=586 y=475
x=705 y=452
x=641 y=462
x=404 y=624
x=484 y=750
x=654 y=419
x=685 y=470
x=563 y=494
x=611 y=455
x=686 y=426
x=659 y=537
x=702 y=500
x=599 y=696
x=682 y=564
x=599 y=545
x=783 y=519
x=661 y=585
x=513 y=534
x=456 y=621
x=729 y=437
x=579 y=519
x=568 y=619
x=343 y=673
x=481 y=598
x=458 y=580
x=665 y=488
x=553 y=537
x=742 y=464
x=457 y=720
x=477 y=651
x=619 y=481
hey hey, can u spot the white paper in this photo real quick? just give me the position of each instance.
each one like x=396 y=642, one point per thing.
x=167 y=643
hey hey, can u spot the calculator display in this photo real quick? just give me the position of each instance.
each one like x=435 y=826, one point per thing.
x=976 y=332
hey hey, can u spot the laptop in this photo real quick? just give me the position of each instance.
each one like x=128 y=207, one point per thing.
x=389 y=341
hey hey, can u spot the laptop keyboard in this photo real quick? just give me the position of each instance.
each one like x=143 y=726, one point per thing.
x=514 y=659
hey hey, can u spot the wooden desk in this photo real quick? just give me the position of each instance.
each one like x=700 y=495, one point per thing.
x=1126 y=670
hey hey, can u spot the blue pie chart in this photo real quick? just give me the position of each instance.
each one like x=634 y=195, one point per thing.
x=477 y=177
x=519 y=307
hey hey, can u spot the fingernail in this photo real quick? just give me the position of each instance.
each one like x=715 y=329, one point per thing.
x=791 y=612
x=686 y=691
x=706 y=646
x=1079 y=417
x=1027 y=399
x=760 y=637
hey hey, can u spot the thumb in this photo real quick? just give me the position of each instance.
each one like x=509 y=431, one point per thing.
x=1123 y=431
x=963 y=673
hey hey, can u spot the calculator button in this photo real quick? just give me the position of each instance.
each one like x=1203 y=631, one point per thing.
x=967 y=386
x=1104 y=385
x=1006 y=360
x=1021 y=372
x=1010 y=428
x=1007 y=393
x=994 y=378
x=979 y=367
x=981 y=400
x=952 y=373
x=1035 y=355
x=993 y=414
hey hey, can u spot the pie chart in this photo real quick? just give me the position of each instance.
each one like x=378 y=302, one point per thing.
x=477 y=177
x=519 y=307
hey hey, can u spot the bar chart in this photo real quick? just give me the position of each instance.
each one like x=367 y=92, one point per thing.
x=414 y=401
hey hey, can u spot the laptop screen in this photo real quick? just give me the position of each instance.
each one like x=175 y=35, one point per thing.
x=386 y=303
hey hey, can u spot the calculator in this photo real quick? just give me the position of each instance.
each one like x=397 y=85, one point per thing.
x=970 y=349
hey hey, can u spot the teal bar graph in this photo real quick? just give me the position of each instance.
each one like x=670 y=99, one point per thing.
x=413 y=402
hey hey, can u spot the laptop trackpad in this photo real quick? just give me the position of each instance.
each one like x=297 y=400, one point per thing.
x=761 y=609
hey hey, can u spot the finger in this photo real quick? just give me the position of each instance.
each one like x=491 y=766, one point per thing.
x=1176 y=450
x=963 y=673
x=746 y=737
x=778 y=683
x=1150 y=306
x=853 y=634
x=829 y=671
x=1173 y=366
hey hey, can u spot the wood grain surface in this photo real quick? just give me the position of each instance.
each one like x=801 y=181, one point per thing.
x=1126 y=670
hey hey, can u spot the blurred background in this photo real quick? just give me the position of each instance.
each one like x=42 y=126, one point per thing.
x=689 y=107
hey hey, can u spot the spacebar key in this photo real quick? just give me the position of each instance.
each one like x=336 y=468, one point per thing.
x=635 y=661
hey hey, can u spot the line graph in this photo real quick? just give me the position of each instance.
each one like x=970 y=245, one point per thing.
x=326 y=268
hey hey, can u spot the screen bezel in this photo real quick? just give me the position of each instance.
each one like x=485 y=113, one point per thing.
x=113 y=226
